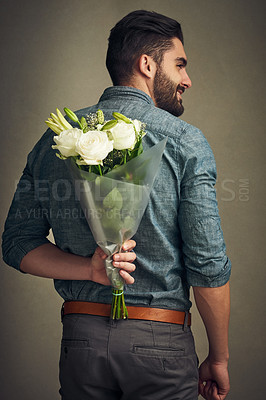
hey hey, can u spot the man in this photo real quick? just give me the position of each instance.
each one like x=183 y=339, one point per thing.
x=179 y=242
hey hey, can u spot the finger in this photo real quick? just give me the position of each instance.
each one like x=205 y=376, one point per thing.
x=129 y=245
x=128 y=267
x=206 y=390
x=210 y=393
x=214 y=392
x=125 y=256
x=201 y=387
x=215 y=395
x=127 y=277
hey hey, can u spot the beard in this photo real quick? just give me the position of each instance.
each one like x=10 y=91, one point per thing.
x=165 y=94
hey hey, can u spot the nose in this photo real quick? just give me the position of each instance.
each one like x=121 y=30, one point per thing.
x=186 y=81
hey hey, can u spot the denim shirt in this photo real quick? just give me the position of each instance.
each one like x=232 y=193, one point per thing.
x=179 y=241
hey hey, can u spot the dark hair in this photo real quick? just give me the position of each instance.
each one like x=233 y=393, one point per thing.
x=139 y=32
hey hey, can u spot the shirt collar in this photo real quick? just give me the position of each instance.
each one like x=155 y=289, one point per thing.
x=125 y=91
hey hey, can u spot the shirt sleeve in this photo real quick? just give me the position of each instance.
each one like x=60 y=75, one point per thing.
x=204 y=250
x=26 y=226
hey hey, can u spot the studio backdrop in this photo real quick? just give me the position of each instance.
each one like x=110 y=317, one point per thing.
x=53 y=55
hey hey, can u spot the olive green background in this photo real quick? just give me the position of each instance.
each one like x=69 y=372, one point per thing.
x=53 y=55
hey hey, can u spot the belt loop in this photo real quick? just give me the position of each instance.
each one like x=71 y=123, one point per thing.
x=62 y=312
x=185 y=325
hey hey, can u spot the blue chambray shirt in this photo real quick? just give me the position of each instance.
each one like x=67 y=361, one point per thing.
x=179 y=241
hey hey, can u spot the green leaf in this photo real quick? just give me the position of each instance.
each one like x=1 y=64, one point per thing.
x=113 y=200
x=140 y=149
x=128 y=223
x=111 y=223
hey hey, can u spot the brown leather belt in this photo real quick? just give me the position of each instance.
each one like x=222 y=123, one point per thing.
x=146 y=313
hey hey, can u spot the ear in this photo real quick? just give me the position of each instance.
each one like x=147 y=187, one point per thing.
x=147 y=66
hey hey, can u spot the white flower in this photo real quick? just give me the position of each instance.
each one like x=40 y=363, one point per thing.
x=93 y=147
x=58 y=123
x=66 y=142
x=123 y=135
x=137 y=125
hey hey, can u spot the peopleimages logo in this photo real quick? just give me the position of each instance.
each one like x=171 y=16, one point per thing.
x=235 y=189
x=62 y=190
x=69 y=213
x=49 y=213
x=43 y=189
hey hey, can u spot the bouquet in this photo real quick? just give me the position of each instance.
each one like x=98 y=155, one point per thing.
x=113 y=179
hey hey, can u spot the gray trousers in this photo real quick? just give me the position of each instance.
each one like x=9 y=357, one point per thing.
x=103 y=359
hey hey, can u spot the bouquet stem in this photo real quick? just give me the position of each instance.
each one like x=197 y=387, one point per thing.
x=118 y=309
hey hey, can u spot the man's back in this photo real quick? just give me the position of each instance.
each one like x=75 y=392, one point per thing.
x=174 y=240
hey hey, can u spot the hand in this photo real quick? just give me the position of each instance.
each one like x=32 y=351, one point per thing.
x=213 y=380
x=124 y=261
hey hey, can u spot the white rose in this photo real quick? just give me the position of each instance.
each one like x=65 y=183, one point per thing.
x=137 y=125
x=93 y=147
x=123 y=135
x=66 y=141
